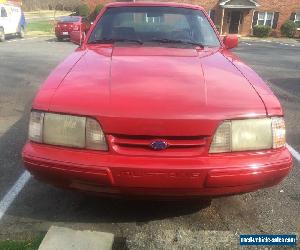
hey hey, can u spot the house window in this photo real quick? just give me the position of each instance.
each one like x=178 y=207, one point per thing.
x=297 y=20
x=265 y=18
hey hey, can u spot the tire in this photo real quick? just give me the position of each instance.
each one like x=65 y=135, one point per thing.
x=2 y=35
x=22 y=33
x=59 y=39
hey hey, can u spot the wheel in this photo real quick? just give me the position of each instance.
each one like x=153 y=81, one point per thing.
x=22 y=32
x=2 y=35
x=59 y=39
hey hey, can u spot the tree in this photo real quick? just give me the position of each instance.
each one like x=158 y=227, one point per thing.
x=83 y=10
x=69 y=5
x=96 y=11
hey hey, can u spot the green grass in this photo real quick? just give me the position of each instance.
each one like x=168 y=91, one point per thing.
x=21 y=245
x=46 y=13
x=40 y=27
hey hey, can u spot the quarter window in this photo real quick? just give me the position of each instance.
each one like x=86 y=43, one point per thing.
x=297 y=20
x=265 y=18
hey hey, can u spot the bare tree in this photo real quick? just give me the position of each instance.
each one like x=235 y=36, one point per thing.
x=51 y=4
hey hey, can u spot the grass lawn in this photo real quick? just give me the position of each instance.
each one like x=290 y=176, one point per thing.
x=44 y=27
x=21 y=245
x=45 y=13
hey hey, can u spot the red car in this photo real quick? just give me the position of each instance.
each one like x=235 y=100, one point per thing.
x=153 y=103
x=68 y=24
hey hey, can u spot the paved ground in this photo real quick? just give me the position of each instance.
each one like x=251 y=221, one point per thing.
x=280 y=40
x=23 y=66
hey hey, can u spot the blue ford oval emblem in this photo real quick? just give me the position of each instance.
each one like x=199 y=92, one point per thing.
x=159 y=145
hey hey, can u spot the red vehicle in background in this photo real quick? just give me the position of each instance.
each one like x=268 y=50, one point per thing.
x=68 y=24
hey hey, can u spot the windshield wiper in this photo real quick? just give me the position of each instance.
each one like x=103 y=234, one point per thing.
x=110 y=40
x=177 y=41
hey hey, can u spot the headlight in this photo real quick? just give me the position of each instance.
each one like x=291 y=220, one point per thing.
x=66 y=130
x=250 y=134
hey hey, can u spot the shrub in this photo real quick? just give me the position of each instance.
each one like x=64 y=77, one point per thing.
x=96 y=11
x=83 y=10
x=261 y=30
x=288 y=29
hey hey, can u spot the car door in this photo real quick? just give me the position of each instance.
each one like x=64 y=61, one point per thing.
x=16 y=20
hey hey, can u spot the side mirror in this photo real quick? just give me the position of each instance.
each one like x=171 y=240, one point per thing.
x=77 y=37
x=231 y=41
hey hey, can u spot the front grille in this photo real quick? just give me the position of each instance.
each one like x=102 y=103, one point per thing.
x=178 y=146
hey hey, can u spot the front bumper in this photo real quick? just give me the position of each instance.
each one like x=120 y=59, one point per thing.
x=112 y=174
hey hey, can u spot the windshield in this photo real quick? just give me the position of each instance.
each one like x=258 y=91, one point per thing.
x=155 y=24
x=69 y=19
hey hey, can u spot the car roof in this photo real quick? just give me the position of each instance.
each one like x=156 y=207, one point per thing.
x=62 y=17
x=151 y=4
x=69 y=16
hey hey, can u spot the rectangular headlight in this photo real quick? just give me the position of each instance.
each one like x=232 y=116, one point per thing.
x=66 y=130
x=252 y=134
x=249 y=134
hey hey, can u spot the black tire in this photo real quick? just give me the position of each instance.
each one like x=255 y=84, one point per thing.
x=59 y=39
x=22 y=32
x=2 y=35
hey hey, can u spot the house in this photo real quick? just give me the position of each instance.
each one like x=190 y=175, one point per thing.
x=239 y=16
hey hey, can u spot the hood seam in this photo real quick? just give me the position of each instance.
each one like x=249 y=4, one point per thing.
x=256 y=91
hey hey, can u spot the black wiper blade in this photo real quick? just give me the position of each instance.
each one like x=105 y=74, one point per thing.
x=129 y=40
x=109 y=40
x=100 y=41
x=178 y=41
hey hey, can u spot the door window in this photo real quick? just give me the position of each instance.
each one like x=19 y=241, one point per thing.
x=235 y=20
x=3 y=12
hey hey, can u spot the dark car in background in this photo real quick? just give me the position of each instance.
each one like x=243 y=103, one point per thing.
x=68 y=24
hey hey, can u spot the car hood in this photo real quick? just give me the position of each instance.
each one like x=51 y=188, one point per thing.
x=156 y=91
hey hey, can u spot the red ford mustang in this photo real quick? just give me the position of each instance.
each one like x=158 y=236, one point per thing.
x=153 y=103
